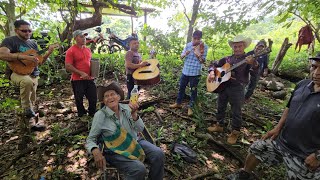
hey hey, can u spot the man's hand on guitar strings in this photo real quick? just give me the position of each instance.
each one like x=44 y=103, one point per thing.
x=211 y=75
x=250 y=59
x=144 y=63
x=29 y=58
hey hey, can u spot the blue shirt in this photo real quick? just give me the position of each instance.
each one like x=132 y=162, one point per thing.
x=192 y=65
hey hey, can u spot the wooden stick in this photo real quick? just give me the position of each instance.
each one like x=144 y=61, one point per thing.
x=223 y=146
x=205 y=174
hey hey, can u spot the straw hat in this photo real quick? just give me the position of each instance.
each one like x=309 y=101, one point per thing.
x=240 y=38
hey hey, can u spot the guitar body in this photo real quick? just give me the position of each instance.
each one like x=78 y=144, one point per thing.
x=221 y=75
x=147 y=75
x=25 y=67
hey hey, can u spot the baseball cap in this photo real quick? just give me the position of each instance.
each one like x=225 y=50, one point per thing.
x=79 y=32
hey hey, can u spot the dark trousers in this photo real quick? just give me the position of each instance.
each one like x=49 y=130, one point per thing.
x=233 y=94
x=252 y=84
x=86 y=88
x=184 y=80
x=130 y=84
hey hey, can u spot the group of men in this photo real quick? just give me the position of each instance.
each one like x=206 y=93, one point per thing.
x=294 y=141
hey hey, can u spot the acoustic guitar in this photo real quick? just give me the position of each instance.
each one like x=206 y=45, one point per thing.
x=147 y=75
x=25 y=67
x=223 y=74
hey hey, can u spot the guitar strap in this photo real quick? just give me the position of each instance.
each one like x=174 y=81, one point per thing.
x=232 y=73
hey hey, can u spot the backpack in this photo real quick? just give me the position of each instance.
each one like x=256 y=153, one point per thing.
x=305 y=37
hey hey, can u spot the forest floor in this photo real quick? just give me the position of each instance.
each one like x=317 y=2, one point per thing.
x=59 y=152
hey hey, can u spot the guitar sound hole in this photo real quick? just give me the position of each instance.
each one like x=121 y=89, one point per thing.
x=145 y=72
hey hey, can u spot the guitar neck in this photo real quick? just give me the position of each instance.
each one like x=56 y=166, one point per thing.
x=239 y=64
x=42 y=51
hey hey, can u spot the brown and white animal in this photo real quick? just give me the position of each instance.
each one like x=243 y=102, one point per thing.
x=305 y=37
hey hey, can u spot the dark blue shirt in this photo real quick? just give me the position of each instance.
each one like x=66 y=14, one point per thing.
x=262 y=60
x=300 y=134
x=16 y=45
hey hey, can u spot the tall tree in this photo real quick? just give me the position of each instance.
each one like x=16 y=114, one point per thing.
x=193 y=18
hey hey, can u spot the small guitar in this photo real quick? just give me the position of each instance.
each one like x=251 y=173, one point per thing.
x=147 y=75
x=223 y=74
x=25 y=67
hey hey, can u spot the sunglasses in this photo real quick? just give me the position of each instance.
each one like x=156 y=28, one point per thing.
x=25 y=31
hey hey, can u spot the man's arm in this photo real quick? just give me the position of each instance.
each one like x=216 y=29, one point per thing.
x=91 y=143
x=130 y=65
x=50 y=50
x=6 y=55
x=276 y=130
x=138 y=123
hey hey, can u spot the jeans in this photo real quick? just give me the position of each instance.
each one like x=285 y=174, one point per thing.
x=28 y=87
x=184 y=80
x=135 y=169
x=234 y=94
x=86 y=88
x=252 y=84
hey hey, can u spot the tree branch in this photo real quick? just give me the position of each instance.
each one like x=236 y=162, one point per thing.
x=3 y=9
x=122 y=7
x=21 y=14
x=185 y=11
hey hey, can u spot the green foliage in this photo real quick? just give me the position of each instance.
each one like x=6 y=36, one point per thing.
x=169 y=43
x=149 y=109
x=4 y=82
x=9 y=104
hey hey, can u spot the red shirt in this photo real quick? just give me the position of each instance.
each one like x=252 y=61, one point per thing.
x=80 y=59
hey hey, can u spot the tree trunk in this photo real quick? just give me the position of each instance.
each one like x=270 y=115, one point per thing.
x=9 y=10
x=284 y=48
x=90 y=22
x=195 y=10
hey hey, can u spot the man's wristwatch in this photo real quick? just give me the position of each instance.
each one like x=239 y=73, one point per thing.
x=317 y=153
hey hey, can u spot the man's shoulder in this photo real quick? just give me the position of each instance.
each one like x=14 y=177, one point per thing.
x=10 y=39
x=129 y=53
x=303 y=83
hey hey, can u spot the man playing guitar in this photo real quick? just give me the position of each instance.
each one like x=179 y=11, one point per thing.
x=195 y=54
x=234 y=88
x=21 y=43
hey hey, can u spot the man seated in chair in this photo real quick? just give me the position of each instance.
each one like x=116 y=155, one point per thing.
x=119 y=124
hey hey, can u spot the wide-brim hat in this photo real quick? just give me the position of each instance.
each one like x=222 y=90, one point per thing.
x=112 y=86
x=240 y=38
x=316 y=58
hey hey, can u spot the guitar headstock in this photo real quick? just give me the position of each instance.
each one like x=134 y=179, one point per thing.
x=263 y=51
